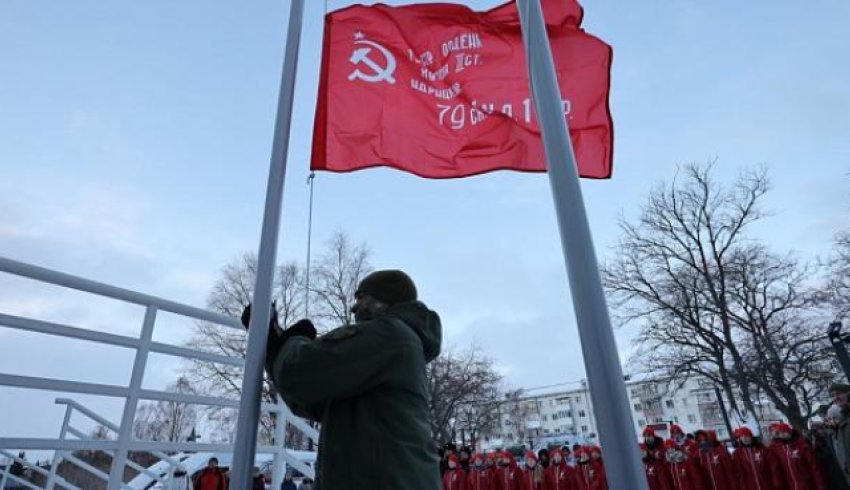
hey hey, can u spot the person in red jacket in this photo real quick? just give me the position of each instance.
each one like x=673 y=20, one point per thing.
x=479 y=477
x=685 y=472
x=490 y=463
x=587 y=474
x=211 y=477
x=653 y=443
x=599 y=464
x=508 y=474
x=532 y=474
x=716 y=462
x=657 y=474
x=678 y=435
x=756 y=466
x=797 y=459
x=559 y=475
x=454 y=478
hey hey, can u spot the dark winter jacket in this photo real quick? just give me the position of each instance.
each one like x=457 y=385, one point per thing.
x=839 y=442
x=366 y=385
x=828 y=462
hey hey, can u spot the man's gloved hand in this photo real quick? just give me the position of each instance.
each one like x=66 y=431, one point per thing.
x=301 y=328
x=274 y=341
x=276 y=337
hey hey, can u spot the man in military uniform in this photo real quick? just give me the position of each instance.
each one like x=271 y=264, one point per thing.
x=366 y=384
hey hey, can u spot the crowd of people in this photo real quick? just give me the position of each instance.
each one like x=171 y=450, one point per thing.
x=787 y=460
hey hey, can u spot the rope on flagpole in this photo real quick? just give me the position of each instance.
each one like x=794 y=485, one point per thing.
x=310 y=179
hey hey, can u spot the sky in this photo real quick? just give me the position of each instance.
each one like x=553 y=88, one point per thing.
x=135 y=140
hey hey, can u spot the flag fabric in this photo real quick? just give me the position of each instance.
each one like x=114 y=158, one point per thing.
x=441 y=91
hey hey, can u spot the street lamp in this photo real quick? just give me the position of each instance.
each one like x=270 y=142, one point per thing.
x=839 y=341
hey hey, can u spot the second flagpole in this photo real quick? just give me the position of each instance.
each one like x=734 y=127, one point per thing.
x=623 y=466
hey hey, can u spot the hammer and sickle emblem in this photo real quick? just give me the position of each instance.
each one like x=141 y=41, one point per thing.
x=379 y=73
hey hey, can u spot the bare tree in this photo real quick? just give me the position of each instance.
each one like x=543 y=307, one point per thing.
x=230 y=293
x=464 y=392
x=166 y=420
x=711 y=302
x=334 y=279
x=838 y=281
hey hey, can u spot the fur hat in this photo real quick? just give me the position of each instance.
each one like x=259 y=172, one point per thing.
x=675 y=429
x=388 y=286
x=834 y=413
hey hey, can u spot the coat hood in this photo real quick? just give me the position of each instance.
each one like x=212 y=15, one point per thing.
x=424 y=322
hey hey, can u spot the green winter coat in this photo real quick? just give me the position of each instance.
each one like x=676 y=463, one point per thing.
x=366 y=385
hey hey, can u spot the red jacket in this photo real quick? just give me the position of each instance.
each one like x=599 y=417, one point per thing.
x=798 y=465
x=508 y=478
x=210 y=479
x=559 y=477
x=657 y=475
x=686 y=475
x=590 y=476
x=454 y=479
x=757 y=467
x=480 y=479
x=531 y=480
x=718 y=469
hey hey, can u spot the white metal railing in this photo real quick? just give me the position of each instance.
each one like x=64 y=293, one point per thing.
x=133 y=392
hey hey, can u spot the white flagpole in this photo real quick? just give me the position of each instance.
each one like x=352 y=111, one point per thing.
x=604 y=372
x=245 y=447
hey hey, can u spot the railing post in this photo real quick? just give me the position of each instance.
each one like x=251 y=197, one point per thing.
x=125 y=431
x=57 y=455
x=5 y=474
x=279 y=465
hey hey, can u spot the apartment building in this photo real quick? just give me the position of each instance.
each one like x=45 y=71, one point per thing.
x=539 y=418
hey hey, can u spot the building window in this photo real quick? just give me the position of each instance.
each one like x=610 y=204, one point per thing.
x=675 y=420
x=669 y=403
x=584 y=428
x=581 y=413
x=554 y=417
x=641 y=423
x=569 y=413
x=692 y=419
x=545 y=418
x=577 y=399
x=638 y=407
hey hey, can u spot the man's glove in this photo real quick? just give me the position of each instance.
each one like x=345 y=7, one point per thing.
x=276 y=338
x=273 y=341
x=301 y=328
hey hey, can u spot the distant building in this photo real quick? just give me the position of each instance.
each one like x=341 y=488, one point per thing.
x=566 y=416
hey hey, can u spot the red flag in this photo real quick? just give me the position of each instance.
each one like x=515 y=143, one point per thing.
x=441 y=91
